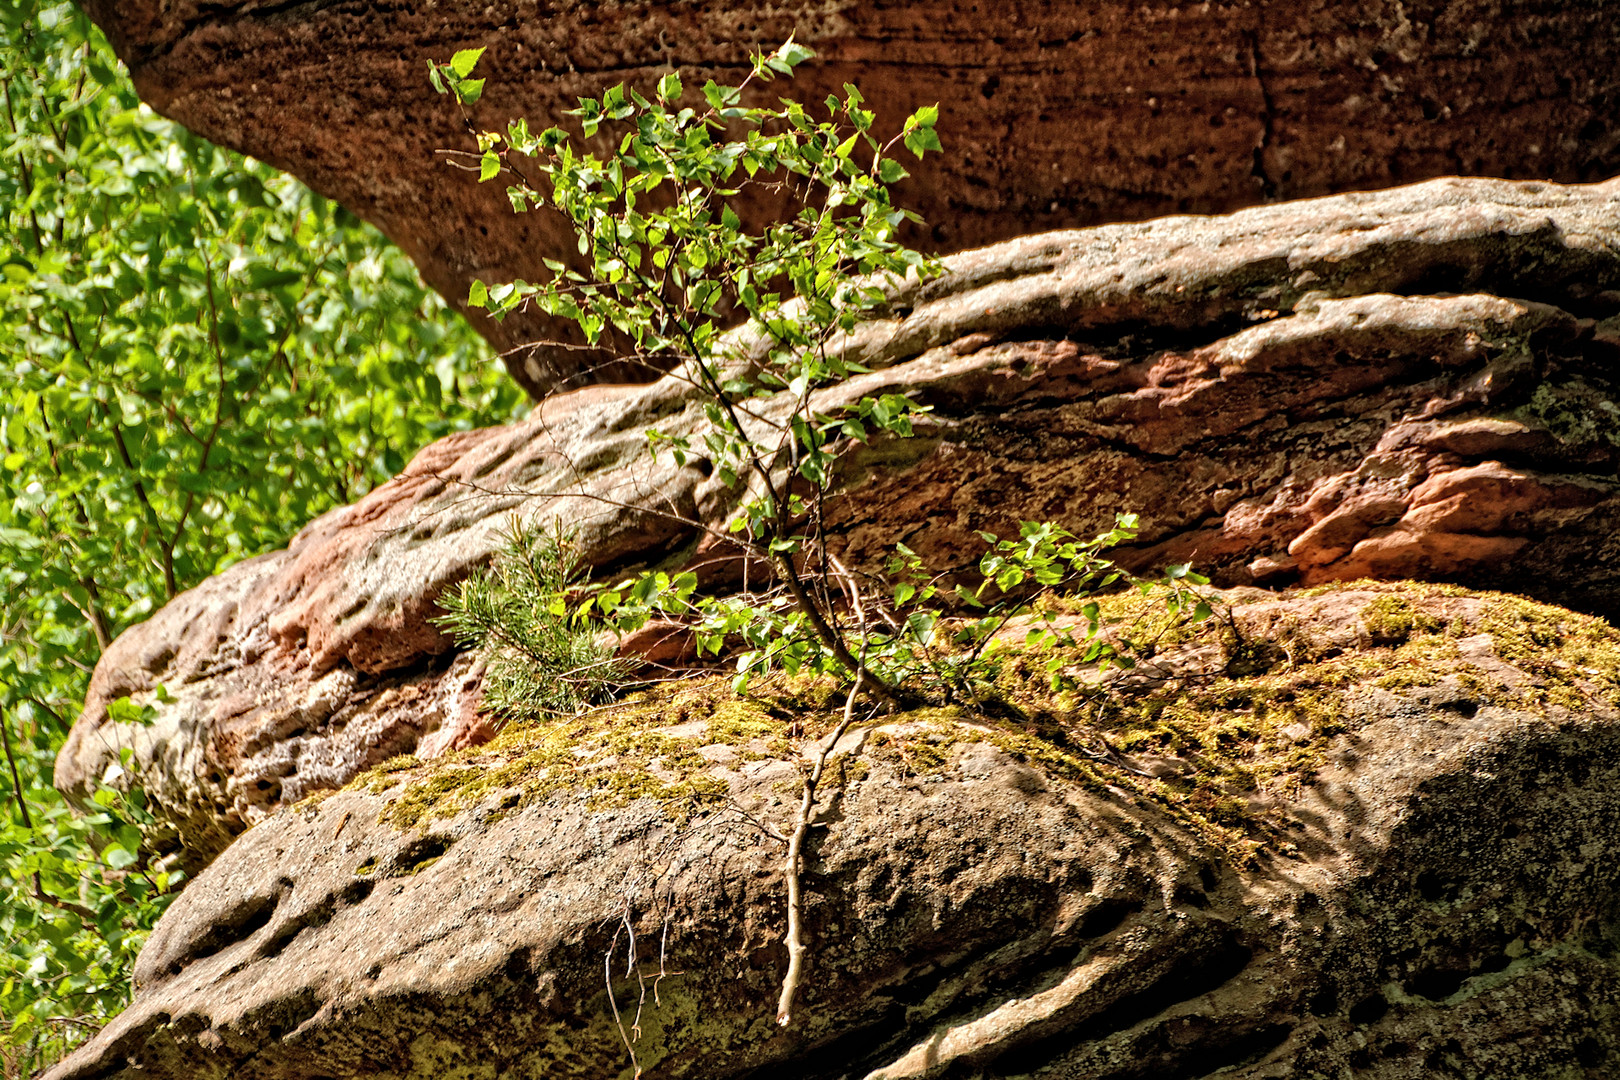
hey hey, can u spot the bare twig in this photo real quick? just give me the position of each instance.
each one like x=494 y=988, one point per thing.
x=807 y=815
x=641 y=978
x=607 y=978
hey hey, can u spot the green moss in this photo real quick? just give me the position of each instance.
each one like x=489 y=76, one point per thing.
x=1393 y=619
x=1576 y=411
x=1412 y=590
x=924 y=754
x=1572 y=658
x=1238 y=737
x=1263 y=721
x=608 y=757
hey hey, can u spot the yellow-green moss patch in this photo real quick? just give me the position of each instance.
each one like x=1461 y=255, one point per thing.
x=1393 y=619
x=1222 y=745
x=1573 y=658
x=1229 y=745
x=610 y=756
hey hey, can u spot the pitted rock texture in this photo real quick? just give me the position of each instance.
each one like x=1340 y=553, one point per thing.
x=1435 y=899
x=1417 y=383
x=1053 y=115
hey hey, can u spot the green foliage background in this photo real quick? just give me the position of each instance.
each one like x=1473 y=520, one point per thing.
x=197 y=356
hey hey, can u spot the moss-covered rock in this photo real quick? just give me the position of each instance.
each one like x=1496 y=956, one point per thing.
x=1223 y=721
x=1370 y=830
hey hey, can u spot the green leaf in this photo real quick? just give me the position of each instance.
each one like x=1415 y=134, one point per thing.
x=790 y=56
x=921 y=140
x=489 y=166
x=270 y=277
x=891 y=171
x=118 y=857
x=463 y=62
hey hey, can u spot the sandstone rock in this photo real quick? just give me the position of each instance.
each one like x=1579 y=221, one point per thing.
x=662 y=643
x=1418 y=383
x=1053 y=116
x=1422 y=884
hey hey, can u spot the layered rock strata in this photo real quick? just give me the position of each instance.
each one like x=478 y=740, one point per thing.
x=1054 y=116
x=1387 y=847
x=1417 y=383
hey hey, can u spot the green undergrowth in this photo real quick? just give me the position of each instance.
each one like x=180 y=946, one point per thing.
x=1231 y=739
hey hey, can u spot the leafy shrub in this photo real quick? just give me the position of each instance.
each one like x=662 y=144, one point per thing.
x=666 y=264
x=669 y=263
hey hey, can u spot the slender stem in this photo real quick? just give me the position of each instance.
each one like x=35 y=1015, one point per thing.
x=91 y=609
x=124 y=455
x=795 y=901
x=173 y=540
x=607 y=978
x=16 y=779
x=169 y=585
x=84 y=913
x=22 y=167
x=777 y=503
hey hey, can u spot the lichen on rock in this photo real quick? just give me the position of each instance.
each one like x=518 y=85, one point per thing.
x=1249 y=715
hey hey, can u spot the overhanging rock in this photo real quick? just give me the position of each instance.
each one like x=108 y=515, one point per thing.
x=1053 y=115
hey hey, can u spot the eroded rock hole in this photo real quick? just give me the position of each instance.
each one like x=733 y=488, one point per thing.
x=1198 y=973
x=1436 y=985
x=1435 y=888
x=356 y=891
x=419 y=855
x=1106 y=917
x=237 y=923
x=1369 y=1010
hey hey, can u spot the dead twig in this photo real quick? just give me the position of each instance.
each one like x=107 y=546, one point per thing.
x=641 y=977
x=807 y=814
x=607 y=978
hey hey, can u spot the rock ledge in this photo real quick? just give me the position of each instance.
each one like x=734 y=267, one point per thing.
x=1408 y=868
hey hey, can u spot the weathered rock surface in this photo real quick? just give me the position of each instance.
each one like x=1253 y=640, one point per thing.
x=1054 y=115
x=1435 y=897
x=1418 y=383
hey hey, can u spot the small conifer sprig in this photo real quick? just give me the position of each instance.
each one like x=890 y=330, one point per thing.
x=539 y=663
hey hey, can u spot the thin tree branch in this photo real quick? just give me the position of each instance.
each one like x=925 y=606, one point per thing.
x=124 y=455
x=607 y=978
x=91 y=609
x=84 y=913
